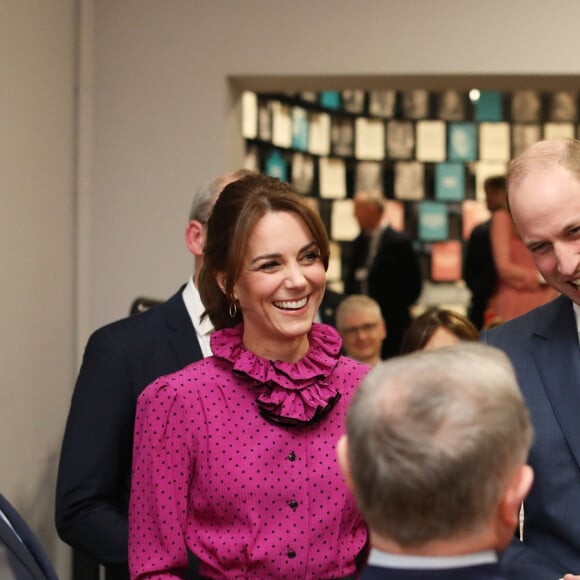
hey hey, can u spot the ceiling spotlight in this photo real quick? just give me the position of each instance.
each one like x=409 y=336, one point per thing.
x=474 y=95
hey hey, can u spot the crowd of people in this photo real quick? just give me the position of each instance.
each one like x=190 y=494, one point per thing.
x=258 y=425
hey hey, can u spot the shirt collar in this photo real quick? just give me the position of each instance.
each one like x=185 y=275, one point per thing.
x=386 y=560
x=577 y=317
x=195 y=309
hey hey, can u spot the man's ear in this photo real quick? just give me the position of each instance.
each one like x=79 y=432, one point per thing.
x=511 y=501
x=195 y=237
x=342 y=456
x=383 y=329
x=518 y=488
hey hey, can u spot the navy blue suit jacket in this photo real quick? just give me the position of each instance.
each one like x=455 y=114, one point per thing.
x=479 y=572
x=543 y=347
x=93 y=484
x=24 y=558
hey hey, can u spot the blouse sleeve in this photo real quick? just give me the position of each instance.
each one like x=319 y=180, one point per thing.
x=511 y=273
x=162 y=467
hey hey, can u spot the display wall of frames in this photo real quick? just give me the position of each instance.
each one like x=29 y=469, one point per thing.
x=428 y=152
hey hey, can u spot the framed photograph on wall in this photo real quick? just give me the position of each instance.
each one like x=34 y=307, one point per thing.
x=409 y=180
x=433 y=223
x=431 y=142
x=264 y=120
x=452 y=105
x=319 y=134
x=330 y=99
x=252 y=158
x=524 y=135
x=559 y=131
x=462 y=142
x=342 y=136
x=332 y=177
x=494 y=141
x=449 y=181
x=303 y=173
x=382 y=103
x=369 y=176
x=276 y=165
x=369 y=139
x=563 y=107
x=281 y=125
x=400 y=139
x=526 y=107
x=446 y=261
x=249 y=115
x=415 y=104
x=299 y=129
x=353 y=101
x=489 y=106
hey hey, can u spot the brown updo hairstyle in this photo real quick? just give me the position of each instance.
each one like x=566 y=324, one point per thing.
x=237 y=210
x=424 y=326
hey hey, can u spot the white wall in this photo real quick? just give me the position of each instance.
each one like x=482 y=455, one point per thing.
x=163 y=103
x=37 y=64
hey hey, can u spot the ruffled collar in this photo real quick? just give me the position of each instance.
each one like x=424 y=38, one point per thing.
x=288 y=393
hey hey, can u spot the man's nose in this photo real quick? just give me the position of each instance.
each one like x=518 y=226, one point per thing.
x=567 y=257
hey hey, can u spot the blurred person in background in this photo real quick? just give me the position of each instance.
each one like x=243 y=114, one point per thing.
x=360 y=324
x=479 y=270
x=438 y=327
x=385 y=267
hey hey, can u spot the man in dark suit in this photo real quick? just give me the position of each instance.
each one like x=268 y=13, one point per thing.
x=21 y=555
x=544 y=200
x=385 y=267
x=120 y=360
x=479 y=270
x=435 y=453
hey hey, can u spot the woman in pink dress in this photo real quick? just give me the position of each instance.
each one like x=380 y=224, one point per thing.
x=520 y=287
x=234 y=456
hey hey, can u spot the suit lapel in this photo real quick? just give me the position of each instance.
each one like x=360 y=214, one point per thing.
x=183 y=341
x=555 y=349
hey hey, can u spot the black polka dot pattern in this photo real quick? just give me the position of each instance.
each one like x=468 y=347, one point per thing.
x=250 y=498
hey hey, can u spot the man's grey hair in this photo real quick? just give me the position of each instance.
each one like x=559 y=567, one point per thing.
x=434 y=437
x=205 y=195
x=356 y=303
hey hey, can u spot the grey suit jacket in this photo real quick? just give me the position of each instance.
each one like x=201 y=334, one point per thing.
x=22 y=555
x=543 y=347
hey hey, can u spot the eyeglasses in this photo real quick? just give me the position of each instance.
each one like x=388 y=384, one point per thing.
x=366 y=328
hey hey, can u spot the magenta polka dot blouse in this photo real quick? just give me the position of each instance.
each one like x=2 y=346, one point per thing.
x=234 y=458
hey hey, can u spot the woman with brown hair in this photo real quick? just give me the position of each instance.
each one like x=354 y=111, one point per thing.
x=437 y=327
x=234 y=455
